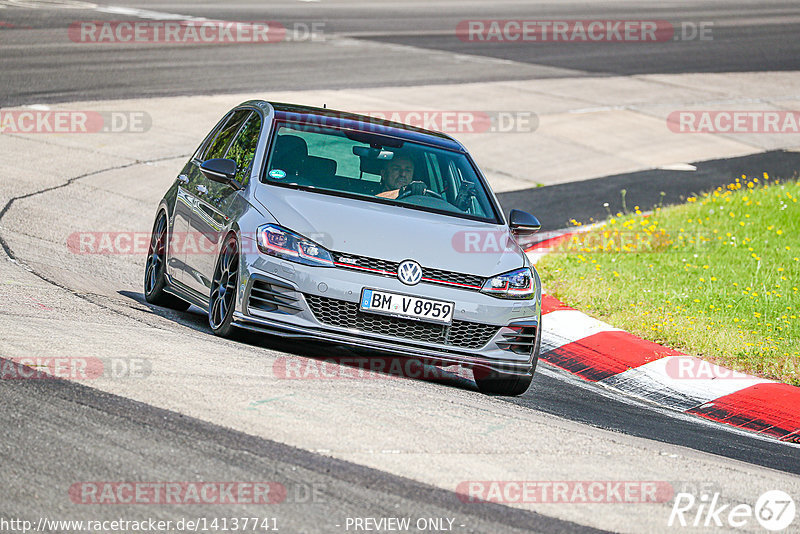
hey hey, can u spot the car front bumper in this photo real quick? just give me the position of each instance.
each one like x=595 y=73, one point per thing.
x=283 y=298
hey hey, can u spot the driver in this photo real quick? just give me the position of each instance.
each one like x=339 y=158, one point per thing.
x=398 y=173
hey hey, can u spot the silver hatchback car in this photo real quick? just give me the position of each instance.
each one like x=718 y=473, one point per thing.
x=317 y=224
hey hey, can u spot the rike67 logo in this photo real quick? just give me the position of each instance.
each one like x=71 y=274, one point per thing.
x=774 y=510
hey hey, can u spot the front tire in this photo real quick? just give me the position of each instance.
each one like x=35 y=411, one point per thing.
x=498 y=383
x=223 y=289
x=155 y=280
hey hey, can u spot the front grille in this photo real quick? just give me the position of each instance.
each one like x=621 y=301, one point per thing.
x=389 y=268
x=345 y=314
x=475 y=282
x=273 y=296
x=363 y=262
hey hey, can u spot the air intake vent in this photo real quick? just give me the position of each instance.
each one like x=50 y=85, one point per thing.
x=273 y=296
x=521 y=341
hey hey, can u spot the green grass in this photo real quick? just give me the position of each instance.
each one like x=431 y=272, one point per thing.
x=717 y=277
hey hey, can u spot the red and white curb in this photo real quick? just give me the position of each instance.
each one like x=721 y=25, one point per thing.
x=597 y=352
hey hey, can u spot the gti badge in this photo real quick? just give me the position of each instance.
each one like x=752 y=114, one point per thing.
x=409 y=272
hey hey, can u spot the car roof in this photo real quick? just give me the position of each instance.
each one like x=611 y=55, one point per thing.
x=354 y=121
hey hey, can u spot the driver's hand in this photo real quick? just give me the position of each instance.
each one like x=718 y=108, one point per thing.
x=414 y=188
x=389 y=194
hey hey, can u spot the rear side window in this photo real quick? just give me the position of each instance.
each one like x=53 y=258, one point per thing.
x=220 y=144
x=243 y=148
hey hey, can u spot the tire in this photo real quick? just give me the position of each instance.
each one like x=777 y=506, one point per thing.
x=497 y=383
x=154 y=276
x=222 y=301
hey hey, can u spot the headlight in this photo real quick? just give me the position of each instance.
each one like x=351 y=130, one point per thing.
x=514 y=285
x=282 y=243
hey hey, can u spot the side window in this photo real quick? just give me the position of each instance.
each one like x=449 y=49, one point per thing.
x=220 y=144
x=198 y=154
x=243 y=148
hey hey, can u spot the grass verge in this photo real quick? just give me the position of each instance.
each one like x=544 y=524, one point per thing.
x=717 y=277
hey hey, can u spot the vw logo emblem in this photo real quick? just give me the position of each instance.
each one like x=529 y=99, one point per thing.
x=409 y=272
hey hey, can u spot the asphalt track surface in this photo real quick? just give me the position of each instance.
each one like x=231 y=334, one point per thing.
x=58 y=432
x=319 y=490
x=385 y=43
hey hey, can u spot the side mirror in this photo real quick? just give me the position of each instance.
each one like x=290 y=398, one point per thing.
x=523 y=223
x=220 y=170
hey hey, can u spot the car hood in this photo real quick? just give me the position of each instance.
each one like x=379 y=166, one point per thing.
x=394 y=233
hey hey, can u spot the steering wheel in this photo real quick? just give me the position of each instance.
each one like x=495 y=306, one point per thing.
x=417 y=189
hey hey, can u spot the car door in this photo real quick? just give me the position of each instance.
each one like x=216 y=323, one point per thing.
x=209 y=216
x=180 y=225
x=184 y=199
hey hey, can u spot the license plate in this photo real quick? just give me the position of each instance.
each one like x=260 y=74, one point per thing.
x=406 y=306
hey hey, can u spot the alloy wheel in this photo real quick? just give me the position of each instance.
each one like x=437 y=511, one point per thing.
x=156 y=256
x=223 y=286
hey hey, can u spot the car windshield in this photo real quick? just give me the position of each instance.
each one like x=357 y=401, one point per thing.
x=378 y=168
